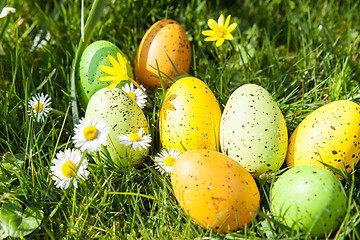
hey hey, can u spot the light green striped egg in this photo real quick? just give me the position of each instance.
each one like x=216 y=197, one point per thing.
x=94 y=55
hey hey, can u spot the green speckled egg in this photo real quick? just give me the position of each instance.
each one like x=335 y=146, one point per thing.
x=330 y=134
x=94 y=55
x=190 y=116
x=309 y=198
x=123 y=116
x=253 y=130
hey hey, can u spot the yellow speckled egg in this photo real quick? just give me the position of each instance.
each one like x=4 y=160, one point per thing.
x=189 y=116
x=165 y=39
x=330 y=134
x=253 y=130
x=216 y=191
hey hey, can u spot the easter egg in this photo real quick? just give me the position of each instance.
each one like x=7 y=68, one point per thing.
x=189 y=116
x=165 y=40
x=94 y=55
x=309 y=198
x=330 y=134
x=253 y=130
x=123 y=116
x=214 y=190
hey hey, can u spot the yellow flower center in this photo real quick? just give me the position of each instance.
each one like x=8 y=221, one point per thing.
x=221 y=32
x=132 y=95
x=169 y=161
x=90 y=133
x=39 y=107
x=68 y=169
x=134 y=137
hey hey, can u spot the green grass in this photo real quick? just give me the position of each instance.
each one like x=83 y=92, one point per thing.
x=305 y=53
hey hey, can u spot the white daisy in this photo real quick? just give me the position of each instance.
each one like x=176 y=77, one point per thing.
x=90 y=135
x=6 y=10
x=69 y=165
x=136 y=94
x=136 y=140
x=166 y=159
x=39 y=107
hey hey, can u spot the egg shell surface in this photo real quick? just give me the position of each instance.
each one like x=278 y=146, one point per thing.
x=189 y=116
x=123 y=116
x=165 y=39
x=309 y=198
x=216 y=191
x=330 y=134
x=94 y=55
x=253 y=130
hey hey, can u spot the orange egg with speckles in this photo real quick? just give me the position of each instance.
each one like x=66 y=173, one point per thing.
x=215 y=190
x=190 y=116
x=165 y=40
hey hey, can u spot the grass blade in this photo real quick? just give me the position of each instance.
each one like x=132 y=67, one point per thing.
x=94 y=16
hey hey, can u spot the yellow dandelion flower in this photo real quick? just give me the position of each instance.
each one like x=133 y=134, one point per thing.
x=220 y=31
x=117 y=73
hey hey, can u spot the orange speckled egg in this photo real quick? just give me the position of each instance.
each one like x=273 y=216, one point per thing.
x=216 y=191
x=165 y=39
x=189 y=116
x=330 y=134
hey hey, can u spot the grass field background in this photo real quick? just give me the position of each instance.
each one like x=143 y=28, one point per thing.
x=305 y=53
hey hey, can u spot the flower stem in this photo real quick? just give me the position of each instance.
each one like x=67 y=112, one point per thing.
x=232 y=54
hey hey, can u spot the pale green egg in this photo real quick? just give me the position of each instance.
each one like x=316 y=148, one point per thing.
x=253 y=130
x=123 y=116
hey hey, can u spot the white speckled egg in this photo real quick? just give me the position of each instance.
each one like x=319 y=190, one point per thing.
x=123 y=116
x=253 y=130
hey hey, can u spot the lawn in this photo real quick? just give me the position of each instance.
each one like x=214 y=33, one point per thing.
x=304 y=53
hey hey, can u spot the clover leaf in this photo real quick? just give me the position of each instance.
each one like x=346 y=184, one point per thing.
x=17 y=222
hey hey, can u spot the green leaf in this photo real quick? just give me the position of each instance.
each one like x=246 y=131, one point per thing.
x=16 y=222
x=12 y=162
x=3 y=233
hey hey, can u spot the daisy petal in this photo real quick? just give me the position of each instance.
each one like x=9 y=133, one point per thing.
x=6 y=10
